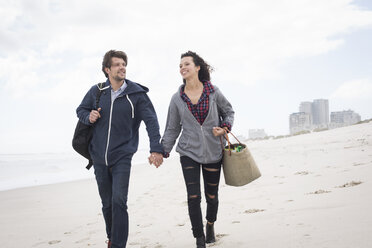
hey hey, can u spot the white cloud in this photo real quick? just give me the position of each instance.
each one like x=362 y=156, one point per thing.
x=245 y=40
x=52 y=50
x=355 y=89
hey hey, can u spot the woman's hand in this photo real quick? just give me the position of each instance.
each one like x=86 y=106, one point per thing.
x=219 y=131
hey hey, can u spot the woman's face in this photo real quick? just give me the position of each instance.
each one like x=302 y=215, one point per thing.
x=188 y=68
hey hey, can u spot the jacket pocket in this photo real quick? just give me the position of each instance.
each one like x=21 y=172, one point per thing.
x=183 y=141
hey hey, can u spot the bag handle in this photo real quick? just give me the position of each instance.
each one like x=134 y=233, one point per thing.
x=235 y=138
x=226 y=136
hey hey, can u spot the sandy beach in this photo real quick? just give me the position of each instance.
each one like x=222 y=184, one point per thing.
x=315 y=191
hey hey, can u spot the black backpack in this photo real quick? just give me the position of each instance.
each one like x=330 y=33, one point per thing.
x=83 y=134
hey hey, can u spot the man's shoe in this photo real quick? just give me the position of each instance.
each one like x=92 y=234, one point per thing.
x=210 y=233
x=200 y=242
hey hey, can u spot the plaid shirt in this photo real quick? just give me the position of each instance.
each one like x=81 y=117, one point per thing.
x=200 y=110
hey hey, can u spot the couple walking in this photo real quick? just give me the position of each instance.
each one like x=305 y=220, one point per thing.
x=198 y=111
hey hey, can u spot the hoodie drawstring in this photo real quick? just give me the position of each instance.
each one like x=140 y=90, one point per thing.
x=131 y=104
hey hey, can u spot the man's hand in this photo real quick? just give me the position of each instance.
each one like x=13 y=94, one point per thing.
x=94 y=115
x=218 y=131
x=156 y=159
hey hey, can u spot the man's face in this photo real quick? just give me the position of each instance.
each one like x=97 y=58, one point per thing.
x=118 y=69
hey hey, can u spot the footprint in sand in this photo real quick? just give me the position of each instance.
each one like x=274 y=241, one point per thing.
x=134 y=243
x=144 y=225
x=81 y=240
x=52 y=242
x=321 y=191
x=252 y=211
x=303 y=173
x=181 y=224
x=37 y=244
x=351 y=184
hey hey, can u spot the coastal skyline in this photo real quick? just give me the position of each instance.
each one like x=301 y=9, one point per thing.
x=315 y=115
x=268 y=56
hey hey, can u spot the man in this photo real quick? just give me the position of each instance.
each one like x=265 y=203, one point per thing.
x=123 y=105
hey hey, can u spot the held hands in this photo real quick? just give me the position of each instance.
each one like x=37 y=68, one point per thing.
x=94 y=115
x=156 y=159
x=218 y=131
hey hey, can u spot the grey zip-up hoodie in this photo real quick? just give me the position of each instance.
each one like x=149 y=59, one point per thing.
x=196 y=141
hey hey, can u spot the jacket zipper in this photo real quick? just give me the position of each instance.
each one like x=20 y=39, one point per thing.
x=109 y=130
x=201 y=127
x=204 y=146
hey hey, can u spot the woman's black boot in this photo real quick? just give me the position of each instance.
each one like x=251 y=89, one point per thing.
x=210 y=233
x=200 y=242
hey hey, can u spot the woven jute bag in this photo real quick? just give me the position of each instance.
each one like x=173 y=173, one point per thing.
x=239 y=168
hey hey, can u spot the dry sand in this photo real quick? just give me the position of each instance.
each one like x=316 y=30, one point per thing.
x=316 y=191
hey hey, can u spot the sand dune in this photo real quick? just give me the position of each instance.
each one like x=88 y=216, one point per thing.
x=315 y=191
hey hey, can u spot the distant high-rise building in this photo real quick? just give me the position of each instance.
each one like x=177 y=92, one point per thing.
x=344 y=118
x=306 y=107
x=299 y=122
x=257 y=133
x=320 y=112
x=315 y=116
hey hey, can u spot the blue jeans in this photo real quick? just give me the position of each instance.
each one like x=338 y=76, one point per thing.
x=113 y=182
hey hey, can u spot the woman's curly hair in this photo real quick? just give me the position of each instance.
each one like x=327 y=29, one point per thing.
x=205 y=68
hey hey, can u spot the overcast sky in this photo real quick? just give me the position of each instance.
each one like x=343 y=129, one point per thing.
x=268 y=55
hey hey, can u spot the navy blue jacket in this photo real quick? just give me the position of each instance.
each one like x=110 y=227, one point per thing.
x=115 y=134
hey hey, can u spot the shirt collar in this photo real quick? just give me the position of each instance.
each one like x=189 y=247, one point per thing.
x=122 y=87
x=208 y=88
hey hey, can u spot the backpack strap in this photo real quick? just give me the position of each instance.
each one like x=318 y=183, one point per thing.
x=99 y=92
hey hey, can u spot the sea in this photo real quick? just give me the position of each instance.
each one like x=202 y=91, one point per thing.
x=33 y=169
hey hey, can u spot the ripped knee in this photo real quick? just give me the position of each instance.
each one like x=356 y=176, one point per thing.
x=212 y=197
x=212 y=184
x=194 y=199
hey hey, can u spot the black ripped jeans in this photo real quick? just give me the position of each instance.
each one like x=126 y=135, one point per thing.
x=211 y=178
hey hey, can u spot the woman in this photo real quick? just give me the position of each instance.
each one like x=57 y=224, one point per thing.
x=202 y=113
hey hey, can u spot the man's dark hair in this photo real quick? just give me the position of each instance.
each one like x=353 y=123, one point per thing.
x=205 y=68
x=106 y=63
